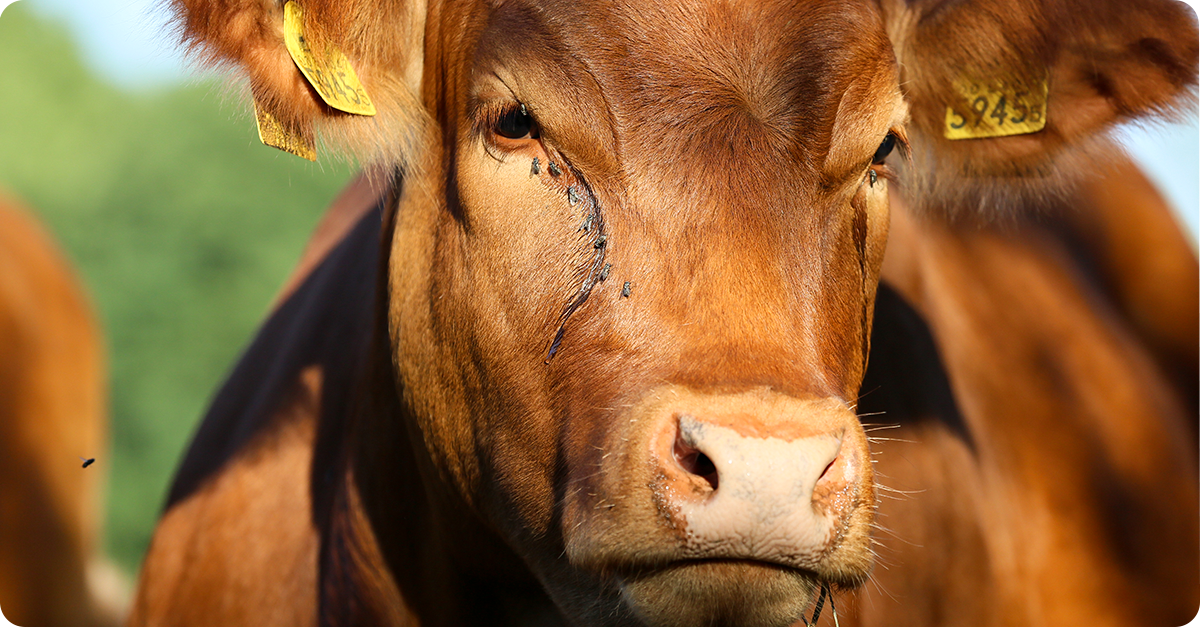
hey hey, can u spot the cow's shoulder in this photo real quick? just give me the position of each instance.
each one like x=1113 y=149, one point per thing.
x=208 y=562
x=261 y=461
x=1108 y=268
x=1125 y=237
x=1020 y=394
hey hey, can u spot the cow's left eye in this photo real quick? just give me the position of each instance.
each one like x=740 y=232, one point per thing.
x=884 y=149
x=516 y=124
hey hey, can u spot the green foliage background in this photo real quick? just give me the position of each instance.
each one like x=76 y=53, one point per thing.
x=182 y=225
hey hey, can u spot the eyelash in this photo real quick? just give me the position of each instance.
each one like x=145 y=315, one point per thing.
x=487 y=115
x=901 y=147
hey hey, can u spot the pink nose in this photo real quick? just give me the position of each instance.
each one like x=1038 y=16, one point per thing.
x=740 y=490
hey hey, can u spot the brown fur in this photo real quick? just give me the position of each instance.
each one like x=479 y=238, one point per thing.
x=248 y=35
x=1065 y=452
x=470 y=404
x=1106 y=62
x=52 y=410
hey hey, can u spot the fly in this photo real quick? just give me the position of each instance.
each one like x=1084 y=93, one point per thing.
x=87 y=461
x=536 y=168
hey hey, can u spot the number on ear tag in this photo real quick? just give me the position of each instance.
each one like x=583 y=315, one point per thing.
x=996 y=109
x=329 y=71
x=274 y=134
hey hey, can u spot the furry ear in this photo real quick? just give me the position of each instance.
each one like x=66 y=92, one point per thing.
x=382 y=39
x=1090 y=63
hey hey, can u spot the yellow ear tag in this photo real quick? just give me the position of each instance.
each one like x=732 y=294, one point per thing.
x=272 y=133
x=996 y=109
x=329 y=73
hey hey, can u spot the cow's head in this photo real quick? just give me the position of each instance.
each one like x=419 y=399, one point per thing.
x=635 y=254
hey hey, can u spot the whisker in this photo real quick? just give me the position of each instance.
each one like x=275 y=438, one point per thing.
x=877 y=439
x=883 y=562
x=894 y=535
x=864 y=394
x=896 y=490
x=879 y=587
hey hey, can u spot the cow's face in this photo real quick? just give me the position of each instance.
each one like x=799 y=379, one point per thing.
x=635 y=254
x=644 y=265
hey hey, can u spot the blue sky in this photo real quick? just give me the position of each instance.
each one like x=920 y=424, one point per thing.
x=126 y=40
x=129 y=42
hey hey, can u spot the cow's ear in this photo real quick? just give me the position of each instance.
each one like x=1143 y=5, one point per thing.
x=1010 y=99
x=382 y=41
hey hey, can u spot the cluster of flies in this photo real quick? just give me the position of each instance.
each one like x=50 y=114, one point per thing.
x=599 y=270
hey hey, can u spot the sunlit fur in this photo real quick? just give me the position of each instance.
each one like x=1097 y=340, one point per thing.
x=247 y=36
x=1108 y=62
x=716 y=159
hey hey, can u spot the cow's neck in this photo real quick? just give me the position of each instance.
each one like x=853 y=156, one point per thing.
x=432 y=560
x=400 y=546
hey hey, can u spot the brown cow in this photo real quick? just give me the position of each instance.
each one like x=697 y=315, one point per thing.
x=52 y=413
x=596 y=352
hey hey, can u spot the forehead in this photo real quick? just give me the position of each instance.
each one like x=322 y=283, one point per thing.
x=687 y=30
x=777 y=74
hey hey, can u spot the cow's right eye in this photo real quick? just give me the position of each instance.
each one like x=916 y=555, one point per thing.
x=516 y=124
x=884 y=149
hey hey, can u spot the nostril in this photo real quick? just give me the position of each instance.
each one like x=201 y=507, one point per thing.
x=701 y=465
x=696 y=462
x=829 y=466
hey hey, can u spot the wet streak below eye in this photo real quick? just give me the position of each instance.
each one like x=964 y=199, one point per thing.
x=554 y=345
x=594 y=272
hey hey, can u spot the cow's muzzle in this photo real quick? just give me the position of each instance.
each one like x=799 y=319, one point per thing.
x=742 y=503
x=753 y=496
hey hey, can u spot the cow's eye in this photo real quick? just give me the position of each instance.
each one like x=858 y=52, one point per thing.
x=516 y=124
x=884 y=149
